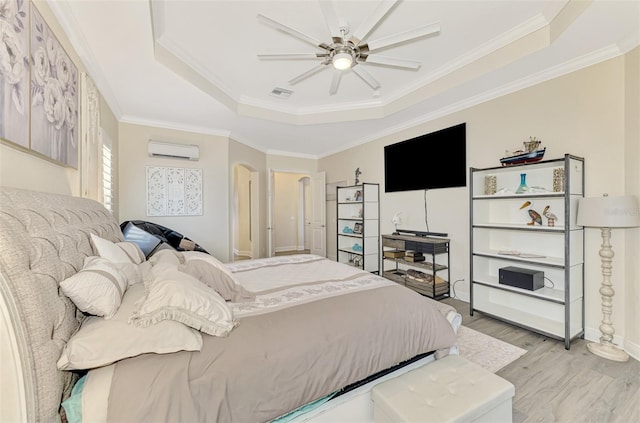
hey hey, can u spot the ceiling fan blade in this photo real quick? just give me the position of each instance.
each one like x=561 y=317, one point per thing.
x=292 y=31
x=403 y=37
x=331 y=19
x=335 y=82
x=308 y=73
x=372 y=20
x=390 y=61
x=366 y=77
x=291 y=56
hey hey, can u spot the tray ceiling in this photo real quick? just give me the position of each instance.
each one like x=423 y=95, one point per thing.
x=193 y=65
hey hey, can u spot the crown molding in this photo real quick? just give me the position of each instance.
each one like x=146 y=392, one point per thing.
x=175 y=126
x=573 y=65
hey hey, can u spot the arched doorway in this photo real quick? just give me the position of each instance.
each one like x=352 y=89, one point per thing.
x=245 y=219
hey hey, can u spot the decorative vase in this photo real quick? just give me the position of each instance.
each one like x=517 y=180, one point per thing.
x=523 y=184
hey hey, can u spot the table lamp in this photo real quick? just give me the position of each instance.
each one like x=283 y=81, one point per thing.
x=608 y=212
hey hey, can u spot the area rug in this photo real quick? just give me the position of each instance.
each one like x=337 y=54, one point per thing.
x=486 y=351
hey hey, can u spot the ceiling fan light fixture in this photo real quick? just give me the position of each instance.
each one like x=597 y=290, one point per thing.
x=342 y=60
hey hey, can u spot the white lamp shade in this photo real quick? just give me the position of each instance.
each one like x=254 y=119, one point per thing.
x=609 y=212
x=342 y=61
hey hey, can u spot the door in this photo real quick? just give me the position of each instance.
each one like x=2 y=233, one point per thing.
x=306 y=213
x=270 y=194
x=318 y=214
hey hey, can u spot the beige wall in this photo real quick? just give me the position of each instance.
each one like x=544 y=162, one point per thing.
x=286 y=211
x=240 y=154
x=211 y=230
x=241 y=205
x=584 y=114
x=632 y=184
x=290 y=163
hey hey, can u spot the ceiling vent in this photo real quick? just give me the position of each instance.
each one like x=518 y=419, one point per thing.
x=281 y=92
x=173 y=151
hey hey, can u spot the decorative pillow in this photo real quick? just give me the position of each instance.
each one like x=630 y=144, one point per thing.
x=136 y=273
x=170 y=256
x=198 y=255
x=126 y=255
x=173 y=295
x=96 y=289
x=100 y=342
x=216 y=278
x=109 y=250
x=132 y=250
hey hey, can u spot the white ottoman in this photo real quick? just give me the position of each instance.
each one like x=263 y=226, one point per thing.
x=451 y=389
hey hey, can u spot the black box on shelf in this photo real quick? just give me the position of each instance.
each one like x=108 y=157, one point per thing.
x=521 y=278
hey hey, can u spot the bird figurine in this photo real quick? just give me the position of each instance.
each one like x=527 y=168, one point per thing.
x=535 y=216
x=551 y=218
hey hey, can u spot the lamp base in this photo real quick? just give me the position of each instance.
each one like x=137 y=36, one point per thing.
x=608 y=351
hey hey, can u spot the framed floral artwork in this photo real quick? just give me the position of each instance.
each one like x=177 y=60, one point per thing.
x=14 y=71
x=54 y=96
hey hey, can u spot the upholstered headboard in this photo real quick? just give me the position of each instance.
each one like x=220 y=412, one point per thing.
x=44 y=239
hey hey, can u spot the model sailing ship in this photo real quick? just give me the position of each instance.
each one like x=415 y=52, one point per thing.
x=531 y=153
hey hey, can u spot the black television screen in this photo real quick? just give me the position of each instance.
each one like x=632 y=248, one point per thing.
x=434 y=160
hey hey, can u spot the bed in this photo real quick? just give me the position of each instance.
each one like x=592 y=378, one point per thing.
x=257 y=339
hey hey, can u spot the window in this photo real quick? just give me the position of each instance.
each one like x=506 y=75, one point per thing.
x=107 y=175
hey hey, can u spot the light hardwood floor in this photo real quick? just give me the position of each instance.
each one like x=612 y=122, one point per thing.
x=556 y=385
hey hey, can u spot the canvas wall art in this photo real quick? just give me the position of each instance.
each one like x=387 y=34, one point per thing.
x=54 y=96
x=14 y=71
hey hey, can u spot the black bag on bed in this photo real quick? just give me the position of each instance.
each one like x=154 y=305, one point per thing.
x=149 y=236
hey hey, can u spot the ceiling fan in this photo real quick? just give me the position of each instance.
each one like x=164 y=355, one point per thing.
x=347 y=50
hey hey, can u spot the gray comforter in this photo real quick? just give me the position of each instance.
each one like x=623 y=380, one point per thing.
x=277 y=361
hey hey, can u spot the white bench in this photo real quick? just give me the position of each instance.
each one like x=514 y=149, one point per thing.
x=451 y=389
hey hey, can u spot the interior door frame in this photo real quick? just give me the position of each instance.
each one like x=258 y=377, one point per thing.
x=270 y=204
x=254 y=209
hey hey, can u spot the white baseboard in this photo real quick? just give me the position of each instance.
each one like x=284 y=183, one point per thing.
x=286 y=248
x=593 y=335
x=632 y=349
x=242 y=253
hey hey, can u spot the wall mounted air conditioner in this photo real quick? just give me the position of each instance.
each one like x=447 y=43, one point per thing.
x=173 y=151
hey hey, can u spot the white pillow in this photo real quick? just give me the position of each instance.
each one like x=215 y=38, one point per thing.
x=173 y=295
x=96 y=289
x=199 y=255
x=132 y=250
x=100 y=342
x=170 y=256
x=217 y=279
x=128 y=257
x=136 y=273
x=109 y=250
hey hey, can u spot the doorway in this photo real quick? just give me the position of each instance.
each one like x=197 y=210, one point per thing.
x=246 y=244
x=296 y=213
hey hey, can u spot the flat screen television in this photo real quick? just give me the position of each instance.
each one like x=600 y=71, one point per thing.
x=430 y=161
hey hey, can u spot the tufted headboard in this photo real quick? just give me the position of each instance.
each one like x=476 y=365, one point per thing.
x=44 y=239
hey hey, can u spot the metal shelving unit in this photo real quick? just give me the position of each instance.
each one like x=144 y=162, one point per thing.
x=503 y=233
